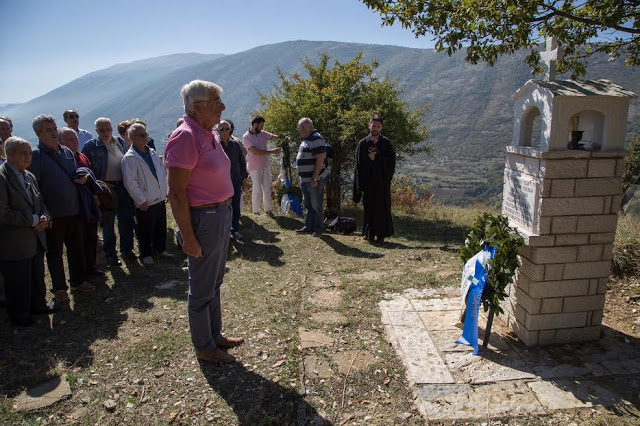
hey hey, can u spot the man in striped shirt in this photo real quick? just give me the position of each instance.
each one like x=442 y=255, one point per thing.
x=313 y=172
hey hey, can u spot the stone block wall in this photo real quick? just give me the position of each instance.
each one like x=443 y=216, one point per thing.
x=559 y=292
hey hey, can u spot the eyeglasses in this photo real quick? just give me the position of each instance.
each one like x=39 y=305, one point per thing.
x=141 y=135
x=73 y=116
x=224 y=129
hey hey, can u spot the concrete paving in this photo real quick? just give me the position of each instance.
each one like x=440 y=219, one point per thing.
x=507 y=379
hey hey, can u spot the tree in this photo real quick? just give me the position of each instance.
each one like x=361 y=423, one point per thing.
x=631 y=174
x=489 y=28
x=341 y=100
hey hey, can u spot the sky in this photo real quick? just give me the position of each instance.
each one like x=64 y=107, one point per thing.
x=49 y=43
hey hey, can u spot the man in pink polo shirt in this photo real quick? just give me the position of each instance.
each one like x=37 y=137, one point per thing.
x=259 y=165
x=200 y=192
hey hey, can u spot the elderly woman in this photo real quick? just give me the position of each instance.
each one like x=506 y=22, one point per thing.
x=6 y=127
x=233 y=149
x=200 y=192
x=145 y=180
x=23 y=219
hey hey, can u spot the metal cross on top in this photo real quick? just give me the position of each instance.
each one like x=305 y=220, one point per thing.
x=550 y=56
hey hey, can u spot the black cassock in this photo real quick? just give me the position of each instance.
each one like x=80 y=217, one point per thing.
x=372 y=183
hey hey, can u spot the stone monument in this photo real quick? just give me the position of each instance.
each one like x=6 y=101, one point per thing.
x=562 y=192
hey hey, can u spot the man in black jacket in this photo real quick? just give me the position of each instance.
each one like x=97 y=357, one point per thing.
x=375 y=166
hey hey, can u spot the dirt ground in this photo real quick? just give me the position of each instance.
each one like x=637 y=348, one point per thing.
x=315 y=350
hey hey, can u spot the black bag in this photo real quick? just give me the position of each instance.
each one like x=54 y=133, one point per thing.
x=343 y=225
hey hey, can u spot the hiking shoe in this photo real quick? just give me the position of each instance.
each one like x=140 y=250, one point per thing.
x=60 y=296
x=130 y=256
x=148 y=261
x=83 y=286
x=167 y=255
x=271 y=215
x=236 y=235
x=303 y=230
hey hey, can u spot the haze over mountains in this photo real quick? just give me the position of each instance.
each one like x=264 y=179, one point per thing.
x=470 y=119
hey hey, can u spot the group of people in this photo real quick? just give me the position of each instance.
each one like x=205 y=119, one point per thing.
x=56 y=195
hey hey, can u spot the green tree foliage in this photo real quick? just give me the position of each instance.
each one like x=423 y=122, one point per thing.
x=632 y=164
x=494 y=231
x=340 y=100
x=489 y=28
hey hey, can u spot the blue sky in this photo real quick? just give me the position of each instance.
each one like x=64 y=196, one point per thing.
x=48 y=43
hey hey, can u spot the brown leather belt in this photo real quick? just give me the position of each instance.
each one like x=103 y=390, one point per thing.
x=211 y=205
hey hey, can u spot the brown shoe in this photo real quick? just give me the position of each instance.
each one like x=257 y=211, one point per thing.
x=85 y=286
x=229 y=342
x=60 y=296
x=216 y=356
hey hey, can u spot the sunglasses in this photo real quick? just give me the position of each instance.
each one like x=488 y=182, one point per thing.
x=73 y=116
x=224 y=129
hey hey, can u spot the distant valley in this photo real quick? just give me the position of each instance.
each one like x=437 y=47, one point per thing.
x=470 y=119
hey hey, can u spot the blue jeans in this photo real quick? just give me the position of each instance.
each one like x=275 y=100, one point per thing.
x=125 y=213
x=312 y=199
x=235 y=202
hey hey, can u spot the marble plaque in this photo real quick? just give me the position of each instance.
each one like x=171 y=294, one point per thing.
x=520 y=199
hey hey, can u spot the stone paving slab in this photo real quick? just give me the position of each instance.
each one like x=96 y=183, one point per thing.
x=564 y=394
x=420 y=356
x=313 y=339
x=317 y=367
x=490 y=367
x=445 y=341
x=508 y=379
x=436 y=304
x=480 y=402
x=560 y=371
x=441 y=320
x=43 y=395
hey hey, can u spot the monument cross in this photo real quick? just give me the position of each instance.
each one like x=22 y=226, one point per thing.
x=549 y=56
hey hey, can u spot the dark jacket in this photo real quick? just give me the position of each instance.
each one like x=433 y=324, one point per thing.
x=97 y=153
x=89 y=205
x=19 y=239
x=54 y=172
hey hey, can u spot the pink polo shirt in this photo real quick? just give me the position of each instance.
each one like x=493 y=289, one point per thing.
x=195 y=148
x=257 y=162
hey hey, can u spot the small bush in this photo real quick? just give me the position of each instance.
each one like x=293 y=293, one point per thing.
x=406 y=192
x=626 y=248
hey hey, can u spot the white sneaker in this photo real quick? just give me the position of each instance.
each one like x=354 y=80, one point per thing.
x=167 y=255
x=236 y=235
x=147 y=260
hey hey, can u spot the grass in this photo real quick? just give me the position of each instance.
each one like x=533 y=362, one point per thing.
x=129 y=341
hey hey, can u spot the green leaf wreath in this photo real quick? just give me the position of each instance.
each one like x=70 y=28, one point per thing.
x=494 y=230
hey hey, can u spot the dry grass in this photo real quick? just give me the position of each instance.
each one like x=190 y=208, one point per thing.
x=129 y=341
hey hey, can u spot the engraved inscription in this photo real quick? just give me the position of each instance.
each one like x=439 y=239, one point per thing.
x=520 y=199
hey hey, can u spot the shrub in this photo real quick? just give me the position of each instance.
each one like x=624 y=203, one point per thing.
x=406 y=192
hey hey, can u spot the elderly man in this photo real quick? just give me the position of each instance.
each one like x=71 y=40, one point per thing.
x=54 y=166
x=6 y=128
x=105 y=154
x=72 y=118
x=23 y=219
x=68 y=137
x=375 y=165
x=200 y=192
x=258 y=164
x=145 y=180
x=313 y=171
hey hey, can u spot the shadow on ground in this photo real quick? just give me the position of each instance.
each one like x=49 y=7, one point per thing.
x=29 y=354
x=257 y=400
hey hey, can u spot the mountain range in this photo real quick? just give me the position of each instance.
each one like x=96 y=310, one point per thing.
x=470 y=118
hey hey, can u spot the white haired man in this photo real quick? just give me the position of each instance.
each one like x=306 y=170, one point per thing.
x=146 y=182
x=105 y=154
x=23 y=219
x=200 y=192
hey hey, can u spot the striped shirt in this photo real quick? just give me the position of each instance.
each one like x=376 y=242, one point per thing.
x=310 y=147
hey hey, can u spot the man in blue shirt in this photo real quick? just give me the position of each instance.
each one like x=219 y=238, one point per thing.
x=72 y=118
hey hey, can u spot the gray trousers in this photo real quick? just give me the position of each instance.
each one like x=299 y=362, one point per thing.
x=211 y=227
